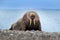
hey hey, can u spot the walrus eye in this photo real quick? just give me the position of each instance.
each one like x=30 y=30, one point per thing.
x=32 y=16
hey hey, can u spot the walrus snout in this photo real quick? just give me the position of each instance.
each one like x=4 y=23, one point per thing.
x=32 y=17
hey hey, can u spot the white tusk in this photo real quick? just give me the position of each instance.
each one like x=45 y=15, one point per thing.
x=34 y=21
x=30 y=21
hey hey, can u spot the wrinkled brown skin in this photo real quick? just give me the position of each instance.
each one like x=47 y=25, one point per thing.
x=24 y=23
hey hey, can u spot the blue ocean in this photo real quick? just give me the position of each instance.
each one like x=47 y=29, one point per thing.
x=50 y=18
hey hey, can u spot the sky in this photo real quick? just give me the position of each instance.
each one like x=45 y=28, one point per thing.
x=29 y=4
x=12 y=10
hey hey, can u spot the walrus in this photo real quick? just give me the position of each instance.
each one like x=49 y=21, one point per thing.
x=30 y=21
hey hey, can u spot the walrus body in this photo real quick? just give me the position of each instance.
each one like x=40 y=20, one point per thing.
x=30 y=21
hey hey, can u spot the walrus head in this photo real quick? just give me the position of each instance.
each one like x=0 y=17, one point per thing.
x=30 y=18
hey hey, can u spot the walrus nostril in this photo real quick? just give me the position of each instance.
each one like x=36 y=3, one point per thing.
x=32 y=16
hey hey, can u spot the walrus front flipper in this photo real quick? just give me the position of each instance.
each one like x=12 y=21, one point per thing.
x=15 y=26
